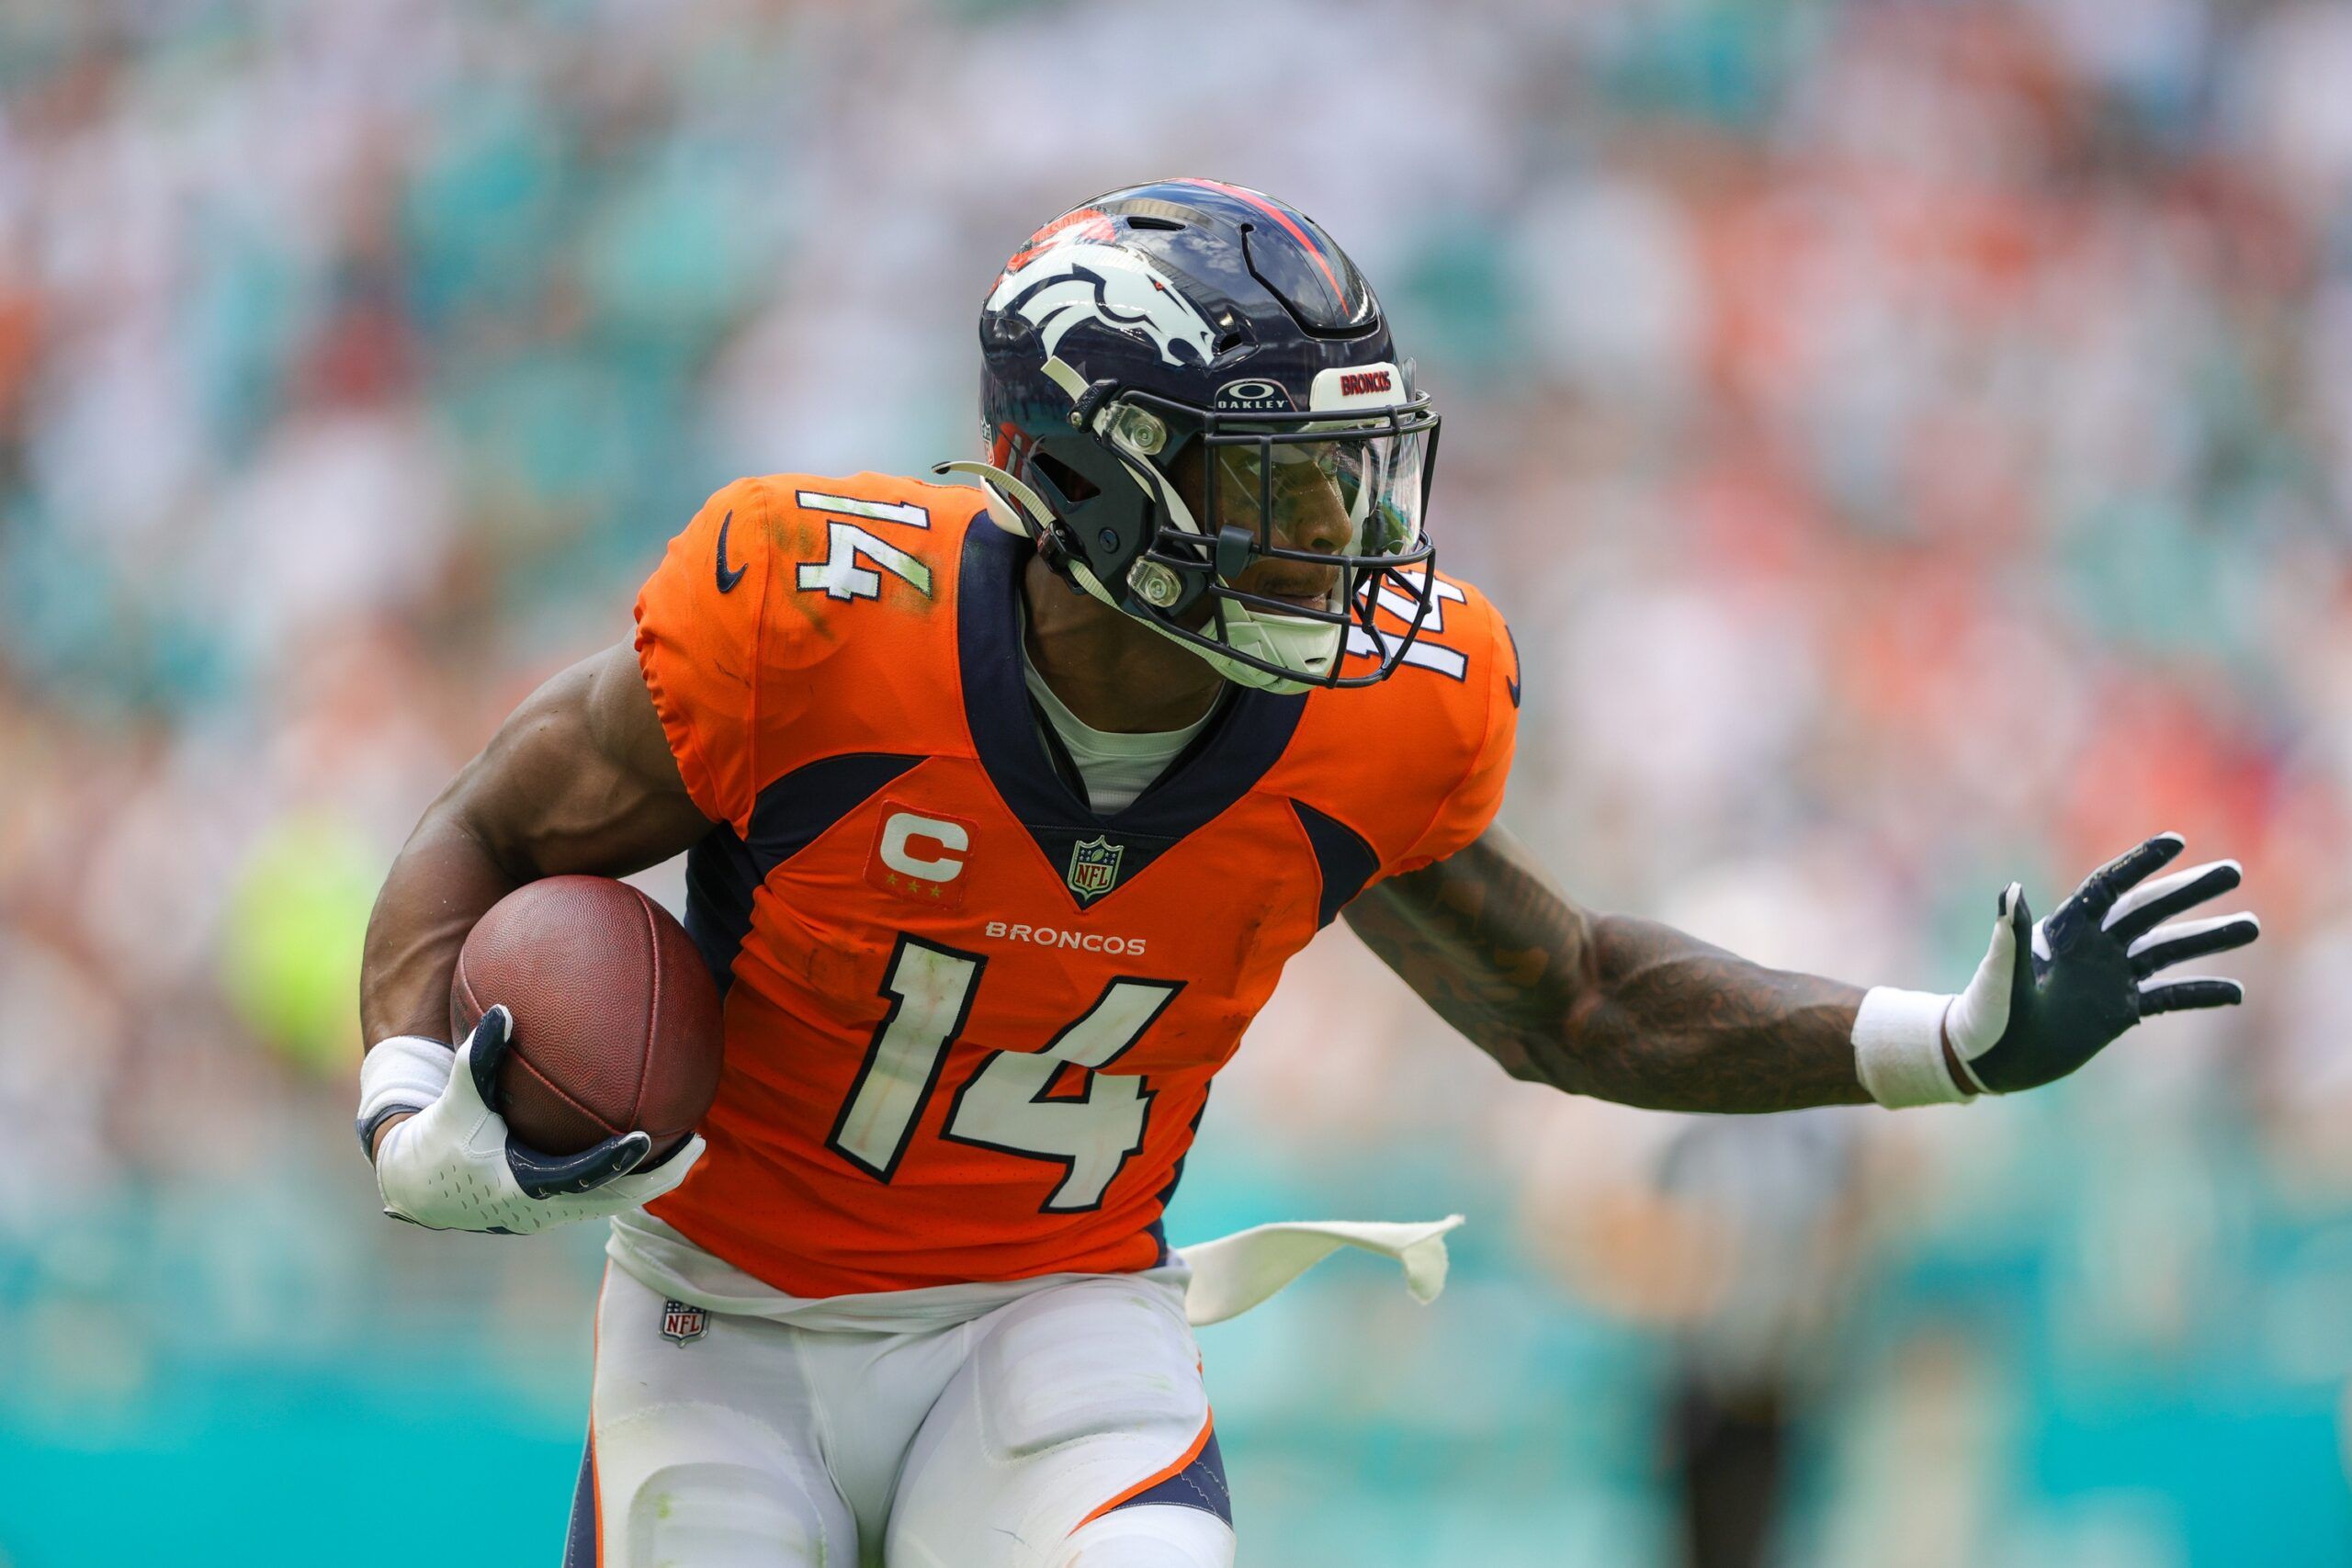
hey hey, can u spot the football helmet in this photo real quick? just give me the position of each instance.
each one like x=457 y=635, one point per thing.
x=1191 y=401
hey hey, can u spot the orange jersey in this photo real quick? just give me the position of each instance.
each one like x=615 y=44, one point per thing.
x=970 y=1023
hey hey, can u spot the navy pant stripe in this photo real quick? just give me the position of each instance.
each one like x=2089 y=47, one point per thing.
x=579 y=1540
x=1200 y=1485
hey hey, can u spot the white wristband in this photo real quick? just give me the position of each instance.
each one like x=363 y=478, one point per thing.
x=1899 y=1048
x=407 y=1072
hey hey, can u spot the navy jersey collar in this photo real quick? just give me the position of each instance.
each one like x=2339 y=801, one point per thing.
x=1223 y=762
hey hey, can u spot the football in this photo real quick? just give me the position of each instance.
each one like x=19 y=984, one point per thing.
x=616 y=1020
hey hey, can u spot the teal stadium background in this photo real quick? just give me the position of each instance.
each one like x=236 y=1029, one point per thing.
x=1913 y=441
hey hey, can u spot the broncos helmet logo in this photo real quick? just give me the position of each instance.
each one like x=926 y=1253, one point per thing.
x=1055 y=288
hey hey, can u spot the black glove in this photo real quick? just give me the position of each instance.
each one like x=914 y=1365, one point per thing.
x=2049 y=997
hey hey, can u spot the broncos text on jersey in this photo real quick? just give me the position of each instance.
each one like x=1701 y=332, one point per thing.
x=970 y=1023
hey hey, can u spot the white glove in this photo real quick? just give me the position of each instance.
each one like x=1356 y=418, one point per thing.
x=451 y=1165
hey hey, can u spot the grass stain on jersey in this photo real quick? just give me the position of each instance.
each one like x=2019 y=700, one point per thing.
x=802 y=539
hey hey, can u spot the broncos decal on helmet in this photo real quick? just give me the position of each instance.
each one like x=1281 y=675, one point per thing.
x=1064 y=284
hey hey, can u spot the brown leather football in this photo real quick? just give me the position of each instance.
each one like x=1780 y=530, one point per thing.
x=616 y=1021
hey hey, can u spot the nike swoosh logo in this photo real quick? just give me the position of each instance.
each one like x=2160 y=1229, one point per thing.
x=1511 y=681
x=729 y=579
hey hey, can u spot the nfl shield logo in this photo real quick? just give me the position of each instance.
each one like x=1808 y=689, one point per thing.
x=1094 y=866
x=681 y=1322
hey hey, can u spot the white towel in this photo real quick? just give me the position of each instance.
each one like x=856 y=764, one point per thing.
x=1233 y=1273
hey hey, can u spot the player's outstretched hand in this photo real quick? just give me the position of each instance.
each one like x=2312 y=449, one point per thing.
x=2051 y=995
x=452 y=1166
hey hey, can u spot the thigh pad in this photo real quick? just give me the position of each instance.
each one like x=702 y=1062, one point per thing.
x=708 y=1486
x=1108 y=1356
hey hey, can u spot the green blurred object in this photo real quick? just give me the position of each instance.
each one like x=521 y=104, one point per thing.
x=289 y=960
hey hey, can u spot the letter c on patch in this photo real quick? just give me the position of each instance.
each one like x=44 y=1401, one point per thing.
x=924 y=847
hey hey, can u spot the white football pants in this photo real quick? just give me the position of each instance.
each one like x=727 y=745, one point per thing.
x=1067 y=1430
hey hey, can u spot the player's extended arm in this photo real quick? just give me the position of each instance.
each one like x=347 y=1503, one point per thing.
x=1605 y=1005
x=579 y=778
x=1632 y=1010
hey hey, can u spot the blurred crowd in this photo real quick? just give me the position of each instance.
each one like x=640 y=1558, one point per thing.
x=1913 y=442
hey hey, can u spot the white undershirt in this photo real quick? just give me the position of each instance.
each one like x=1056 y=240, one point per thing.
x=1116 y=768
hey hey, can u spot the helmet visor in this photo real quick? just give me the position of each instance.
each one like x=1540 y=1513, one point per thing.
x=1354 y=494
x=1286 y=534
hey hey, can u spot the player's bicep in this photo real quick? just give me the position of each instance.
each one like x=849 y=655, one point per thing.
x=624 y=727
x=579 y=778
x=1486 y=939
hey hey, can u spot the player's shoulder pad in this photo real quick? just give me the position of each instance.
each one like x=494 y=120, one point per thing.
x=792 y=556
x=1469 y=719
x=1415 y=765
x=1460 y=667
x=776 y=575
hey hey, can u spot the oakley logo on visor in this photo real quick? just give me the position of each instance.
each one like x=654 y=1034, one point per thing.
x=1252 y=395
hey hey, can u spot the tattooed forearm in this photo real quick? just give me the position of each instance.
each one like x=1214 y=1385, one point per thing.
x=1606 y=1005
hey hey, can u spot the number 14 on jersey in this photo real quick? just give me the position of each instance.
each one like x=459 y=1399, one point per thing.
x=1007 y=1105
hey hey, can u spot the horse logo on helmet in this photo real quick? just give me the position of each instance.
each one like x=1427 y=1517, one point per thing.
x=1057 y=287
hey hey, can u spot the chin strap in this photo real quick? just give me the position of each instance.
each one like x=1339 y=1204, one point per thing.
x=1022 y=513
x=1030 y=517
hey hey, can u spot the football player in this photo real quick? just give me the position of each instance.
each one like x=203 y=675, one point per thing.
x=1003 y=808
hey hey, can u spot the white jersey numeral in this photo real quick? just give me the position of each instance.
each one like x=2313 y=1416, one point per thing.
x=1007 y=1105
x=1427 y=654
x=1401 y=607
x=840 y=576
x=905 y=512
x=930 y=994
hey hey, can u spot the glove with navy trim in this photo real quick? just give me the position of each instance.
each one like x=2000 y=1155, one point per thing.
x=452 y=1166
x=2052 y=994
